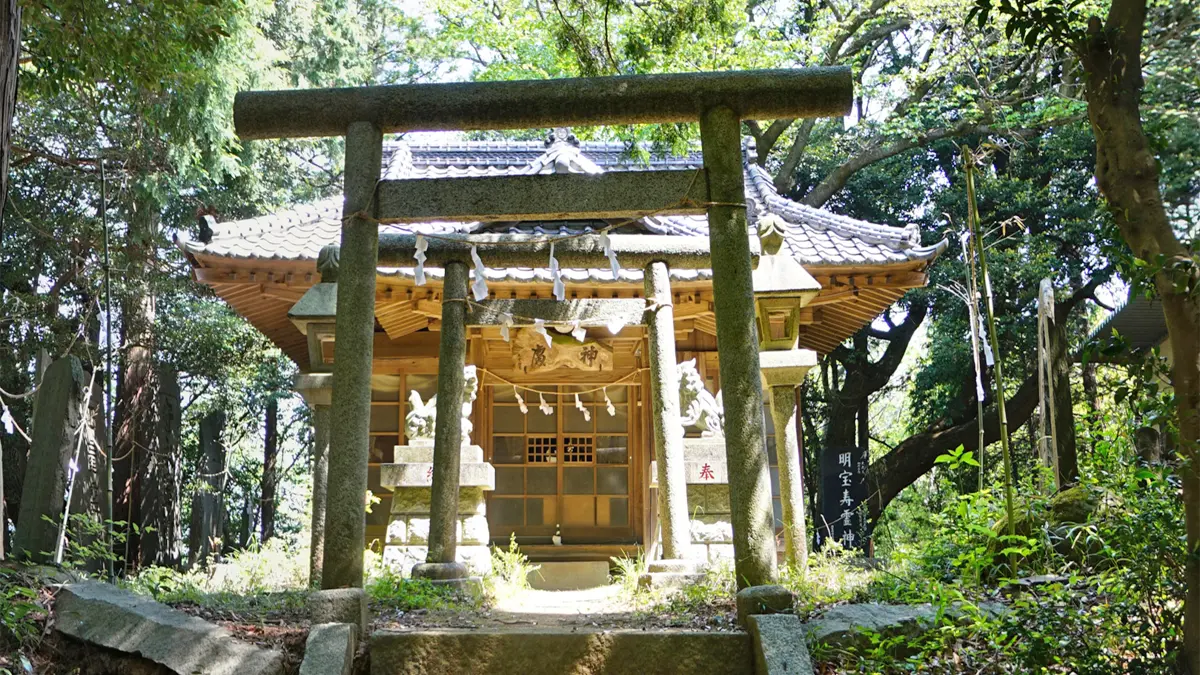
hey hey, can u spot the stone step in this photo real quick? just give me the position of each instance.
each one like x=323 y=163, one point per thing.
x=569 y=576
x=553 y=651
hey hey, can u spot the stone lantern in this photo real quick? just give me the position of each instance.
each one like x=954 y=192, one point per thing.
x=782 y=287
x=315 y=313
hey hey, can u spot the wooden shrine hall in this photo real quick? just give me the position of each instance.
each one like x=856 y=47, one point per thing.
x=590 y=478
x=550 y=340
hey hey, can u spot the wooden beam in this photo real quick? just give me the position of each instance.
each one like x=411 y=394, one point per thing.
x=587 y=311
x=684 y=310
x=533 y=104
x=633 y=251
x=559 y=196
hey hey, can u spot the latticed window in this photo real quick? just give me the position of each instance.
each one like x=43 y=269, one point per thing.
x=569 y=467
x=578 y=449
x=541 y=450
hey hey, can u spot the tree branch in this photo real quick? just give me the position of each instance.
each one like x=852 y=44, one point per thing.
x=877 y=152
x=881 y=371
x=915 y=455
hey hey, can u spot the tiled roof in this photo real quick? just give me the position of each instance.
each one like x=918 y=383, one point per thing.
x=814 y=236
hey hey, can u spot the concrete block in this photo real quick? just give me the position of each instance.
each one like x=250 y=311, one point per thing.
x=785 y=367
x=704 y=450
x=402 y=558
x=478 y=559
x=779 y=647
x=406 y=454
x=569 y=576
x=672 y=566
x=418 y=530
x=330 y=649
x=397 y=531
x=339 y=605
x=557 y=650
x=474 y=530
x=669 y=580
x=472 y=501
x=416 y=500
x=715 y=529
x=407 y=501
x=770 y=599
x=720 y=552
x=105 y=615
x=717 y=500
x=705 y=472
x=420 y=474
x=697 y=552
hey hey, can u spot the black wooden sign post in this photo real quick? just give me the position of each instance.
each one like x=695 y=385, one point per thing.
x=844 y=499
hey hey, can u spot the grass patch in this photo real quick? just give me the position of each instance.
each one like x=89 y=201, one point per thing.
x=510 y=571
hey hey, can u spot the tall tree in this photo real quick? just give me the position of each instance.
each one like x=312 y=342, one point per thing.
x=270 y=475
x=1128 y=173
x=10 y=59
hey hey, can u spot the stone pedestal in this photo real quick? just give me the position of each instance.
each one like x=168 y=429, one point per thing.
x=411 y=480
x=707 y=479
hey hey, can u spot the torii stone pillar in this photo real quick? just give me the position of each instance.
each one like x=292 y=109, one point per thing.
x=447 y=433
x=737 y=349
x=668 y=432
x=350 y=414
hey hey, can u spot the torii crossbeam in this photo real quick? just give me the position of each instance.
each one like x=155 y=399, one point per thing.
x=718 y=101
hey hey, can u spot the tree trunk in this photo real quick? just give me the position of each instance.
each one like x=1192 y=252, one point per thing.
x=1127 y=174
x=160 y=491
x=270 y=476
x=10 y=57
x=137 y=400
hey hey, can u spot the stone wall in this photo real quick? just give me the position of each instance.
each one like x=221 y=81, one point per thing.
x=711 y=523
x=710 y=520
x=408 y=525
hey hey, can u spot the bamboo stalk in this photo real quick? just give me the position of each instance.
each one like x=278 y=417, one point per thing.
x=973 y=221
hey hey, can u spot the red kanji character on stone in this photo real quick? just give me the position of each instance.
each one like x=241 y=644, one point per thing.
x=429 y=473
x=706 y=472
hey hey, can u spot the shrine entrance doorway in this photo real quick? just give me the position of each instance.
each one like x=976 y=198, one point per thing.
x=565 y=465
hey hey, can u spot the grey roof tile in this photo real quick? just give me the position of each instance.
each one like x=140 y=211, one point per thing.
x=814 y=236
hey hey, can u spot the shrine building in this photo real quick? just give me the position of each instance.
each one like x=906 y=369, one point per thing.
x=561 y=437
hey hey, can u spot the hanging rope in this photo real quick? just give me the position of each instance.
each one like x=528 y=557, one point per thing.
x=1047 y=424
x=554 y=392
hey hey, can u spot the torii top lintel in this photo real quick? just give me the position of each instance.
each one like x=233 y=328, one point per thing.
x=526 y=104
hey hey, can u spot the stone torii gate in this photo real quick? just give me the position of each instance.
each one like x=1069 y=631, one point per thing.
x=718 y=101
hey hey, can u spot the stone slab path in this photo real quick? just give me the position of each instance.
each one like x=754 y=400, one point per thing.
x=603 y=607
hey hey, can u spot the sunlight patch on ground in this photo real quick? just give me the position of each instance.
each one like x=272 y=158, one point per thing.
x=589 y=601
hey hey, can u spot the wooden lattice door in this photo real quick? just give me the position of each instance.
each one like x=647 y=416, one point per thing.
x=557 y=466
